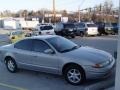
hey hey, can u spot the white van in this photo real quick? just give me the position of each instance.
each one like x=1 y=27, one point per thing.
x=45 y=29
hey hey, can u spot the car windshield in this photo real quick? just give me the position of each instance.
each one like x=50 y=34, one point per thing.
x=69 y=26
x=91 y=25
x=46 y=27
x=61 y=44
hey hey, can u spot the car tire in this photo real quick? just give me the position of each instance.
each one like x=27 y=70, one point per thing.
x=113 y=33
x=73 y=73
x=81 y=34
x=73 y=36
x=100 y=34
x=11 y=65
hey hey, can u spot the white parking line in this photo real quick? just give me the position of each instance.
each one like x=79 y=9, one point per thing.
x=11 y=86
x=100 y=38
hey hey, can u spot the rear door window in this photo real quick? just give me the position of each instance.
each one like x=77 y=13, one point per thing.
x=24 y=45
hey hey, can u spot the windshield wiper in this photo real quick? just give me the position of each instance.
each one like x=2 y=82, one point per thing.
x=67 y=50
x=75 y=47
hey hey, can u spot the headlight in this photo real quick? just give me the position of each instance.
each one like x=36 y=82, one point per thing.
x=100 y=65
x=96 y=66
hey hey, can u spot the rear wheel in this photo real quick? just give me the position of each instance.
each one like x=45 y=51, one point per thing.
x=11 y=65
x=72 y=36
x=81 y=34
x=74 y=75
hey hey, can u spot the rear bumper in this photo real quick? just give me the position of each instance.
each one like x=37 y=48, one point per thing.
x=109 y=31
x=92 y=33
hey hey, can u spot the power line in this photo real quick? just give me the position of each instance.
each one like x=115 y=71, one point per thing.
x=66 y=3
x=79 y=9
x=82 y=3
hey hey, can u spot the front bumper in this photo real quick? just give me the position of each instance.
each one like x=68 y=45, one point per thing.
x=98 y=73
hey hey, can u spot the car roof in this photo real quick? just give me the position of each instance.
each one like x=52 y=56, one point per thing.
x=42 y=37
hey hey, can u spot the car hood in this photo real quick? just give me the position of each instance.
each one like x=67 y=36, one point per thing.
x=88 y=54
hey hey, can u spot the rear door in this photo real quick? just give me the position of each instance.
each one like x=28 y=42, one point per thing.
x=23 y=53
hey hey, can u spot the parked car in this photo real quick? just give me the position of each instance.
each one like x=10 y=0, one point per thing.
x=91 y=29
x=15 y=36
x=80 y=29
x=109 y=28
x=101 y=28
x=45 y=29
x=65 y=29
x=57 y=55
x=115 y=27
x=87 y=29
x=33 y=32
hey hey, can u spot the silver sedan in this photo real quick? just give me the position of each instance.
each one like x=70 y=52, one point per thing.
x=57 y=55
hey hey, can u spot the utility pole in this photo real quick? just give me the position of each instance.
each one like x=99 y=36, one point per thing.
x=54 y=11
x=100 y=12
x=43 y=20
x=89 y=12
x=79 y=14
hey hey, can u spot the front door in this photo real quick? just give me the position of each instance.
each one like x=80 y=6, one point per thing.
x=44 y=62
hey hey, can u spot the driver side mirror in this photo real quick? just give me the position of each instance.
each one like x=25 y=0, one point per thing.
x=49 y=51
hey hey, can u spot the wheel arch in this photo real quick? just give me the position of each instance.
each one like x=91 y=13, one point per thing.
x=73 y=64
x=6 y=57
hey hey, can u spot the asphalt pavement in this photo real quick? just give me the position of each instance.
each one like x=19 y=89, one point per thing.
x=31 y=80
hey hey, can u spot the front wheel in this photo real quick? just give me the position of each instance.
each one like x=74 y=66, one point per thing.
x=11 y=65
x=72 y=36
x=74 y=75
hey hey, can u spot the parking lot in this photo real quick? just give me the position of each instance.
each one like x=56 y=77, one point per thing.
x=30 y=80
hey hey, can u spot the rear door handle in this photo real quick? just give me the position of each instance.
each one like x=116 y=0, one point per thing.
x=16 y=53
x=35 y=56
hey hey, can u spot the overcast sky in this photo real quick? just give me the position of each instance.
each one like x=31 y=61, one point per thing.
x=70 y=5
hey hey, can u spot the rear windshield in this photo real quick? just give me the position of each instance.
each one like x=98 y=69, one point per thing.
x=114 y=24
x=69 y=26
x=80 y=25
x=91 y=25
x=46 y=27
x=17 y=33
